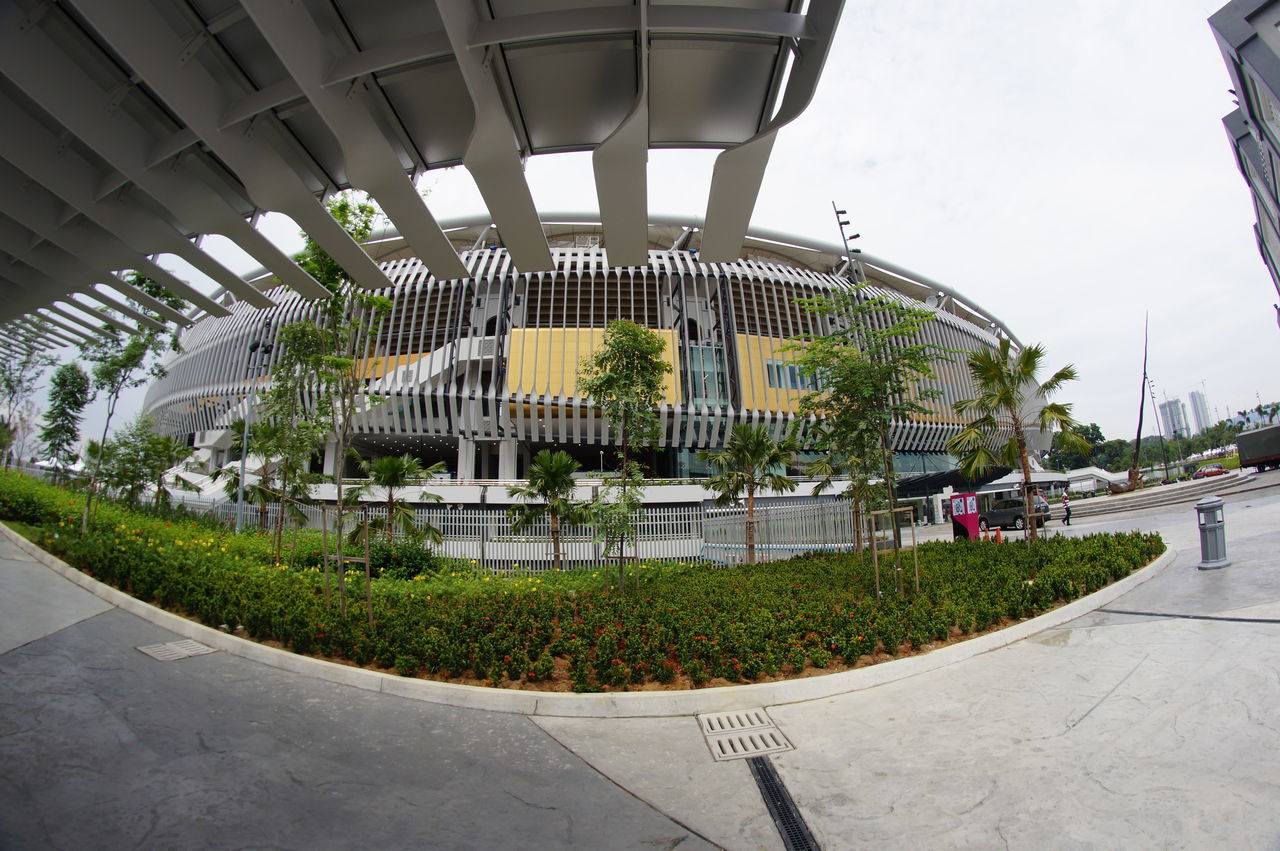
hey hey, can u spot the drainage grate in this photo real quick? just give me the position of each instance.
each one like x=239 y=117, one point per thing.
x=175 y=650
x=742 y=734
x=791 y=826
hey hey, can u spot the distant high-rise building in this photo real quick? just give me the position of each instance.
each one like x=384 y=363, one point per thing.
x=1200 y=411
x=1173 y=418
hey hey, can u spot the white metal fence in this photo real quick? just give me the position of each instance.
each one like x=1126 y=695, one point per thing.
x=780 y=532
x=483 y=534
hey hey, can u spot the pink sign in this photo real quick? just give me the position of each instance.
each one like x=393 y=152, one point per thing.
x=964 y=516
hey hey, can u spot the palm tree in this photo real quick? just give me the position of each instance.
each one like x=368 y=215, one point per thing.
x=748 y=463
x=393 y=473
x=165 y=453
x=1010 y=402
x=549 y=492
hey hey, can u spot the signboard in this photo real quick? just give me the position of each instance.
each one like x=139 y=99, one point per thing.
x=964 y=516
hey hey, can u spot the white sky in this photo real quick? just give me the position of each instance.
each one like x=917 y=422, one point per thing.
x=1061 y=164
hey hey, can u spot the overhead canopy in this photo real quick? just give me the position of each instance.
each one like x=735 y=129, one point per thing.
x=134 y=127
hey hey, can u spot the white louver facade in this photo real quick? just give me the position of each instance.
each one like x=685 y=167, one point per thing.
x=482 y=371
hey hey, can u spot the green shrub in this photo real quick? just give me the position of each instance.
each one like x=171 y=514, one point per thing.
x=431 y=617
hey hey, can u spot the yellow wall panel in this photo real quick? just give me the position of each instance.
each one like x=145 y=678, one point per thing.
x=754 y=352
x=544 y=361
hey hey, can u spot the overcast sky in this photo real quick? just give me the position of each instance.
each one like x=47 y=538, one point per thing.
x=1063 y=165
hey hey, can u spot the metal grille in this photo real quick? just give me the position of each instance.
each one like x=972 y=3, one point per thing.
x=174 y=650
x=741 y=734
x=791 y=825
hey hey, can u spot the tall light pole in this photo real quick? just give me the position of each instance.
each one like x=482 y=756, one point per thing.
x=846 y=239
x=259 y=356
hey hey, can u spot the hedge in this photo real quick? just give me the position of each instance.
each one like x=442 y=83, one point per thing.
x=687 y=624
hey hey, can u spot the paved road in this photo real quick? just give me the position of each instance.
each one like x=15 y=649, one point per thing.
x=1117 y=730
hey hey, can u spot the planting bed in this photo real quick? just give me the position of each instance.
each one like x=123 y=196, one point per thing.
x=677 y=625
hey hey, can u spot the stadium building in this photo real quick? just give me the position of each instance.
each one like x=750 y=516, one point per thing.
x=481 y=372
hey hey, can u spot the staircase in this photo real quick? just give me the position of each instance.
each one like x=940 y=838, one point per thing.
x=1152 y=497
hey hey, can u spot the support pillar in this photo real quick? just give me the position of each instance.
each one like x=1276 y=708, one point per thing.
x=466 y=459
x=507 y=460
x=332 y=467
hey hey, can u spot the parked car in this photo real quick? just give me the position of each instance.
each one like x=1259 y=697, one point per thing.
x=1207 y=470
x=1010 y=513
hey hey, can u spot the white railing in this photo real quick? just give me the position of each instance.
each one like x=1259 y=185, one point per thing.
x=780 y=532
x=483 y=534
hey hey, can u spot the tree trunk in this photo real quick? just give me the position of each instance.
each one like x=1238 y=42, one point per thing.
x=97 y=464
x=555 y=540
x=1026 y=482
x=751 y=525
x=890 y=491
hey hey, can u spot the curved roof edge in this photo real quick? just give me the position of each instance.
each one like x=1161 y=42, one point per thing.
x=389 y=233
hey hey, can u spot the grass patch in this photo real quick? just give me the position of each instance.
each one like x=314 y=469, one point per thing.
x=678 y=625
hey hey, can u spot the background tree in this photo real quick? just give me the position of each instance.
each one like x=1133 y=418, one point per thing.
x=865 y=374
x=336 y=353
x=297 y=436
x=25 y=421
x=1063 y=458
x=165 y=453
x=18 y=379
x=549 y=492
x=750 y=461
x=8 y=436
x=393 y=474
x=121 y=362
x=69 y=391
x=623 y=377
x=1011 y=400
x=260 y=486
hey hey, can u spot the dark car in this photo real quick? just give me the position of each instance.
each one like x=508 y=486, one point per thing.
x=1009 y=513
x=1208 y=470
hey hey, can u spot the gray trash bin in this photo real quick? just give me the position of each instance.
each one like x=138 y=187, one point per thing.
x=1213 y=533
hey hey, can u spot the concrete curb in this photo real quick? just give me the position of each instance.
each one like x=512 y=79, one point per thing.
x=644 y=704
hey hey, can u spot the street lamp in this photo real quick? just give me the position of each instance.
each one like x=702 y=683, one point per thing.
x=259 y=356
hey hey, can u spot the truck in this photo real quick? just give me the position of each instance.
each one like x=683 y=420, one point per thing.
x=1259 y=448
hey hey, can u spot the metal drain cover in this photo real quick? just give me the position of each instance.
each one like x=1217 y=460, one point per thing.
x=175 y=650
x=741 y=734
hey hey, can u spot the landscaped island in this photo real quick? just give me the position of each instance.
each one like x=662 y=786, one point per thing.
x=677 y=626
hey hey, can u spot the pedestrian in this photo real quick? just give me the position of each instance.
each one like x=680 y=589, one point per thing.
x=1066 y=509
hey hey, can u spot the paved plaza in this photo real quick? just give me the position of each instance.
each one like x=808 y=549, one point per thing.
x=1149 y=722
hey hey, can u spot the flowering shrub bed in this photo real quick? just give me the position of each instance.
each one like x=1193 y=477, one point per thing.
x=677 y=625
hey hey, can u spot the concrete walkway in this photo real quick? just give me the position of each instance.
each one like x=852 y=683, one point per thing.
x=1152 y=723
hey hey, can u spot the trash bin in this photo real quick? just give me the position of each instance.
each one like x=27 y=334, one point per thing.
x=1213 y=533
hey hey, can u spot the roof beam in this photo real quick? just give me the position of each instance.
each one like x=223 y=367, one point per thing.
x=119 y=307
x=570 y=23
x=739 y=171
x=32 y=149
x=372 y=164
x=105 y=317
x=492 y=155
x=33 y=63
x=39 y=327
x=93 y=332
x=137 y=296
x=620 y=164
x=40 y=212
x=155 y=52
